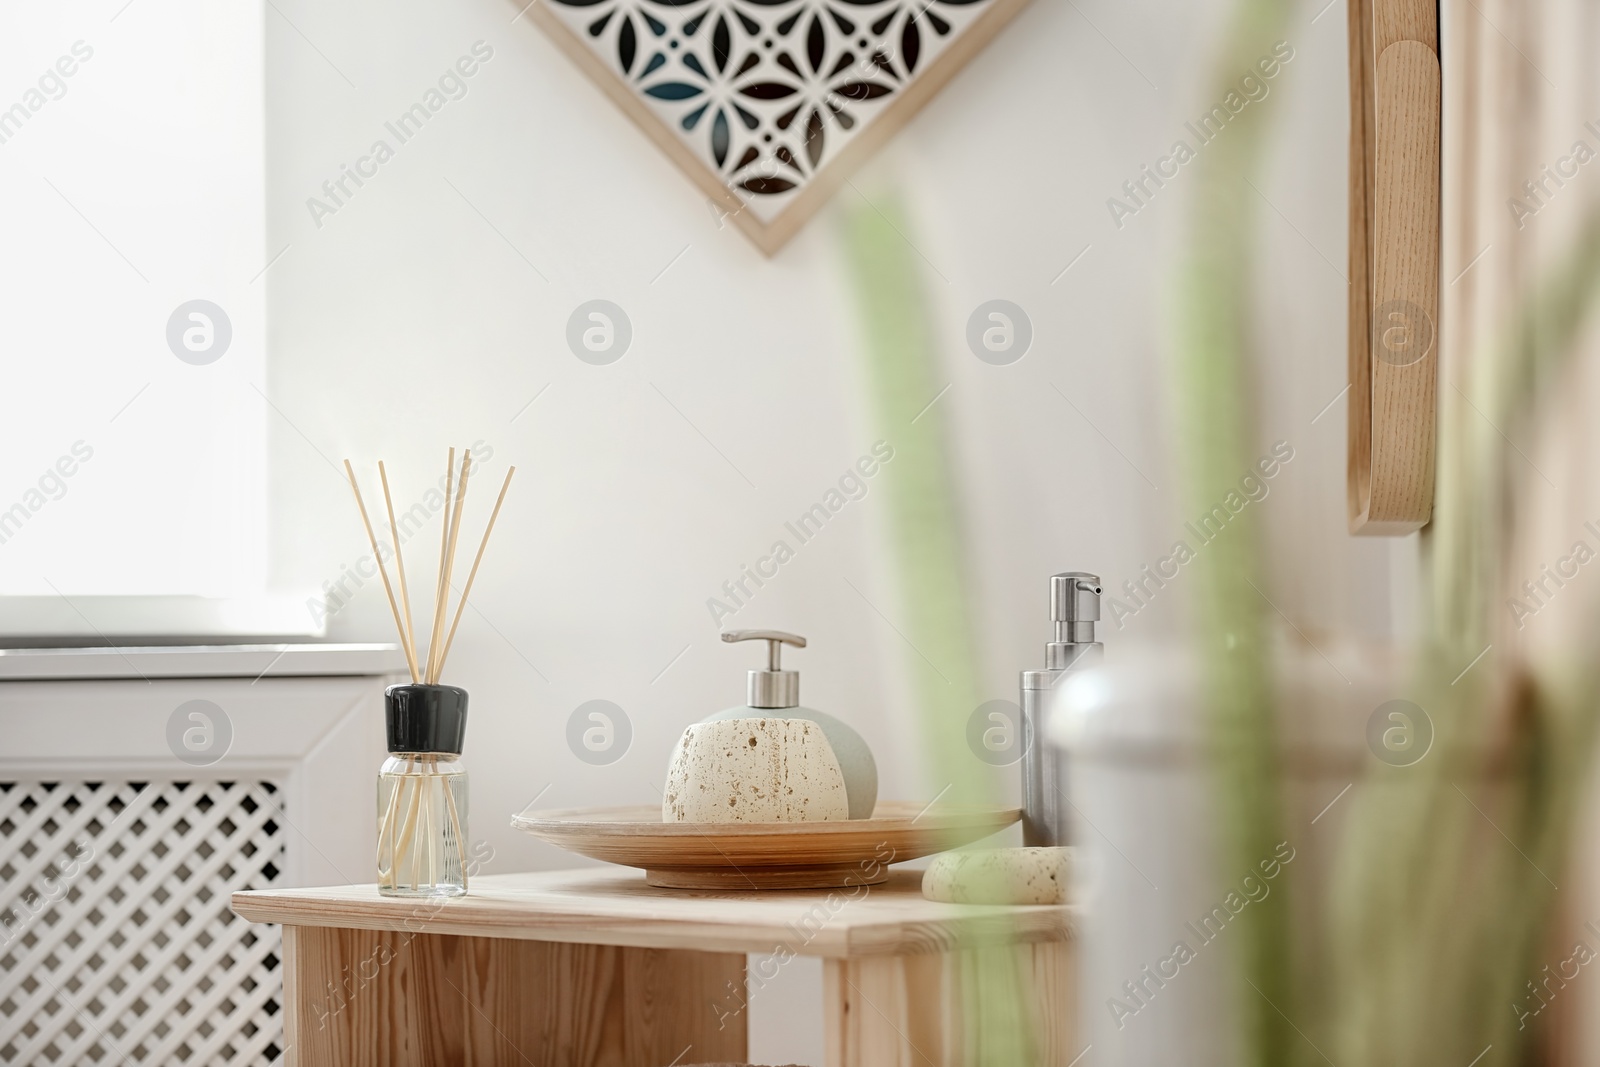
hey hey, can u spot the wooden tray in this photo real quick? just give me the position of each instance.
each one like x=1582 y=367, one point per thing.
x=764 y=855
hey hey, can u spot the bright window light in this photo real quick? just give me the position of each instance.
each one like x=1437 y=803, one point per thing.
x=131 y=259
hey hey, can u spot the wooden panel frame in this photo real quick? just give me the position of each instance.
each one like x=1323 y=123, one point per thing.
x=1395 y=158
x=771 y=236
x=364 y=998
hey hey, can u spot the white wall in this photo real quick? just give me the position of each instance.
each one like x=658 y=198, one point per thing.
x=405 y=323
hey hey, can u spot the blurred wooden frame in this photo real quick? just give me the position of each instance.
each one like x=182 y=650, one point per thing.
x=772 y=236
x=1394 y=263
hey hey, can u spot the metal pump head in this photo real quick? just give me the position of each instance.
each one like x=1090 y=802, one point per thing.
x=1074 y=608
x=773 y=687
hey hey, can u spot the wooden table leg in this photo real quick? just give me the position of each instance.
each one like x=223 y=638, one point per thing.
x=355 y=998
x=966 y=1008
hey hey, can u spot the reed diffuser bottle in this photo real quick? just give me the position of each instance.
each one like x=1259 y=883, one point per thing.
x=422 y=788
x=422 y=793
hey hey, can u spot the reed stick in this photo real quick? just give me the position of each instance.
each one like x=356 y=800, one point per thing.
x=430 y=833
x=410 y=635
x=410 y=827
x=455 y=825
x=372 y=540
x=438 y=586
x=449 y=563
x=387 y=829
x=467 y=589
x=385 y=832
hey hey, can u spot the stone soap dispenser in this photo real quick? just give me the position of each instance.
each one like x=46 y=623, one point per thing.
x=774 y=693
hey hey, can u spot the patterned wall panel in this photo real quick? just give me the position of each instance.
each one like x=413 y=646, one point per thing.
x=766 y=96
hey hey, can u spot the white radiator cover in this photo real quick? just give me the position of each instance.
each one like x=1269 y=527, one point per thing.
x=117 y=858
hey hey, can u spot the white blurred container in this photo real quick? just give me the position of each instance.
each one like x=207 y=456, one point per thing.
x=1144 y=802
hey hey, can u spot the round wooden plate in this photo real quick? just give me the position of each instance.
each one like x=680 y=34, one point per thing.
x=764 y=855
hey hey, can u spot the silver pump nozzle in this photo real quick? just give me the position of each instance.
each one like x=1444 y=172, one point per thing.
x=773 y=687
x=1074 y=608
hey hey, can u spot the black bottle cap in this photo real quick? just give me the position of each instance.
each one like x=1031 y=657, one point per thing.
x=425 y=718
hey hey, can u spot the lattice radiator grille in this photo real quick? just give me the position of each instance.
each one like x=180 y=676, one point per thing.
x=116 y=942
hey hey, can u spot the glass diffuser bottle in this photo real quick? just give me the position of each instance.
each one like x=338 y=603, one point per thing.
x=422 y=793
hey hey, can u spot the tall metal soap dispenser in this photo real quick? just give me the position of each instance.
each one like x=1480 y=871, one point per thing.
x=1074 y=608
x=774 y=693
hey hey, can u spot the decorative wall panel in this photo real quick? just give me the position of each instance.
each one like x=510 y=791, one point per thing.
x=769 y=105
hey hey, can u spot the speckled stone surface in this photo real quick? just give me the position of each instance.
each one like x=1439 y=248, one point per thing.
x=855 y=757
x=1000 y=876
x=754 y=770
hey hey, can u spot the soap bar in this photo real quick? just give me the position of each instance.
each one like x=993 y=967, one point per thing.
x=754 y=770
x=999 y=876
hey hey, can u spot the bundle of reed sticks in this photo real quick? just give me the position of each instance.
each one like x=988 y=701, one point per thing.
x=439 y=640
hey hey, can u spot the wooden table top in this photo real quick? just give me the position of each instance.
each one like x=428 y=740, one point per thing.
x=614 y=906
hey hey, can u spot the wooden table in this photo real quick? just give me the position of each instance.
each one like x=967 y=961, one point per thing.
x=593 y=968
